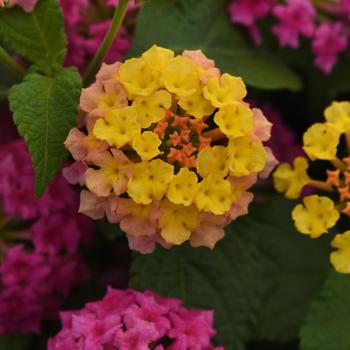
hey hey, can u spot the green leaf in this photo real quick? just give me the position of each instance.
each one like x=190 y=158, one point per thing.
x=327 y=326
x=14 y=342
x=38 y=36
x=299 y=268
x=193 y=24
x=45 y=109
x=247 y=279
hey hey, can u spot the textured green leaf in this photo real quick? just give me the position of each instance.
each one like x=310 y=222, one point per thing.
x=45 y=108
x=327 y=325
x=38 y=36
x=192 y=24
x=299 y=268
x=249 y=279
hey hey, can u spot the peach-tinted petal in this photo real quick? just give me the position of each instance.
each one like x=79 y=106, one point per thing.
x=198 y=57
x=270 y=164
x=209 y=231
x=75 y=143
x=75 y=173
x=143 y=244
x=240 y=208
x=108 y=71
x=84 y=147
x=262 y=127
x=91 y=205
x=90 y=96
x=244 y=182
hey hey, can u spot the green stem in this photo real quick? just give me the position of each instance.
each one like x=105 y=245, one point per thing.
x=10 y=63
x=118 y=18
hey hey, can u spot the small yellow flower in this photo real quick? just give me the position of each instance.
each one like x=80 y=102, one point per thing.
x=152 y=109
x=321 y=141
x=291 y=181
x=112 y=175
x=196 y=105
x=212 y=160
x=245 y=156
x=338 y=115
x=157 y=57
x=149 y=181
x=235 y=120
x=118 y=127
x=181 y=76
x=177 y=221
x=340 y=259
x=146 y=145
x=225 y=91
x=138 y=77
x=316 y=216
x=214 y=195
x=183 y=187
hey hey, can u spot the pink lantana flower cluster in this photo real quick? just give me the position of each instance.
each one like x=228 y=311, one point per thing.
x=326 y=23
x=85 y=30
x=131 y=320
x=39 y=241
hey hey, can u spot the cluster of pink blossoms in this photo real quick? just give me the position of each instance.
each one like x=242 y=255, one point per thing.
x=131 y=320
x=39 y=242
x=85 y=31
x=326 y=23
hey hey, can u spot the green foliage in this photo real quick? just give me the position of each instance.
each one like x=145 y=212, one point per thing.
x=45 y=109
x=262 y=272
x=327 y=325
x=192 y=24
x=14 y=342
x=38 y=36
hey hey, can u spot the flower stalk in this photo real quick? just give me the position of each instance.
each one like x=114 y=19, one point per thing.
x=117 y=21
x=7 y=61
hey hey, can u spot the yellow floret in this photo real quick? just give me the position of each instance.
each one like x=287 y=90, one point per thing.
x=138 y=77
x=214 y=195
x=183 y=187
x=245 y=156
x=338 y=115
x=321 y=141
x=146 y=145
x=149 y=181
x=235 y=120
x=212 y=160
x=177 y=221
x=119 y=127
x=157 y=57
x=225 y=91
x=340 y=259
x=181 y=76
x=316 y=216
x=196 y=105
x=289 y=180
x=152 y=109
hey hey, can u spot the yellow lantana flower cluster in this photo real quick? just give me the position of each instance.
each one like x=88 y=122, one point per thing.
x=318 y=214
x=168 y=148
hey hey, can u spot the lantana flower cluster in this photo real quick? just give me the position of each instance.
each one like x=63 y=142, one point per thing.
x=325 y=22
x=39 y=239
x=318 y=214
x=169 y=148
x=131 y=320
